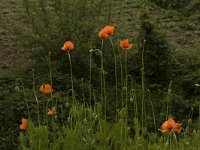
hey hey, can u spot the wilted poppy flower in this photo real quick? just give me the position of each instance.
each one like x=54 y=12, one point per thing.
x=68 y=45
x=169 y=125
x=24 y=124
x=125 y=44
x=51 y=112
x=106 y=31
x=46 y=88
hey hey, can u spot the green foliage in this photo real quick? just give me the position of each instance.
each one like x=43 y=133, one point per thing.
x=11 y=106
x=84 y=130
x=157 y=53
x=36 y=137
x=186 y=25
x=174 y=15
x=188 y=64
x=49 y=24
x=171 y=3
x=193 y=8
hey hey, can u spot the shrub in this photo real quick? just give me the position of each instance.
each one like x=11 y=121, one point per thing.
x=157 y=53
x=171 y=3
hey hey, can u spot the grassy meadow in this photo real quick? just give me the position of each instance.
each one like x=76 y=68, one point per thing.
x=100 y=75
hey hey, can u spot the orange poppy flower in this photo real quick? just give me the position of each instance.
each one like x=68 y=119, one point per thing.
x=24 y=124
x=51 y=112
x=177 y=128
x=106 y=31
x=165 y=127
x=46 y=88
x=125 y=44
x=103 y=34
x=169 y=125
x=109 y=29
x=68 y=45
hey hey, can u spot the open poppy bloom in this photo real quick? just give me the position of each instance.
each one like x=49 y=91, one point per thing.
x=68 y=45
x=106 y=31
x=169 y=125
x=51 y=112
x=125 y=44
x=24 y=124
x=46 y=88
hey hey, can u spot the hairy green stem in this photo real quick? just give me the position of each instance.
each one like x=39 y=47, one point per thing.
x=116 y=81
x=34 y=92
x=152 y=108
x=70 y=62
x=83 y=93
x=168 y=100
x=126 y=83
x=25 y=98
x=102 y=78
x=90 y=76
x=143 y=86
x=121 y=70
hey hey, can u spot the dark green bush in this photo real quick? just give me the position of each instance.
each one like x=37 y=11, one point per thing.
x=12 y=106
x=157 y=53
x=171 y=3
x=188 y=66
x=193 y=8
x=48 y=24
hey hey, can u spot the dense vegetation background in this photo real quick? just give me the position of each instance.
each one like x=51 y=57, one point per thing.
x=31 y=29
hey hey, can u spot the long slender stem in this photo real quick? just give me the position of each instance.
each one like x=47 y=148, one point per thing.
x=121 y=70
x=25 y=98
x=136 y=105
x=103 y=79
x=90 y=76
x=126 y=100
x=50 y=74
x=83 y=93
x=51 y=82
x=154 y=119
x=126 y=82
x=132 y=95
x=34 y=92
x=143 y=86
x=70 y=62
x=102 y=82
x=116 y=82
x=168 y=100
x=71 y=71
